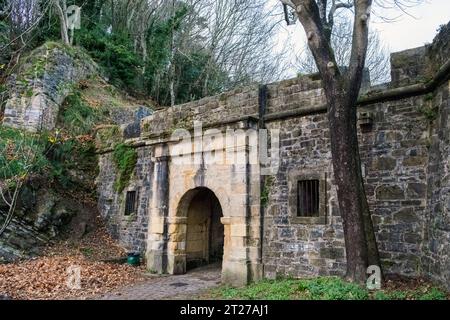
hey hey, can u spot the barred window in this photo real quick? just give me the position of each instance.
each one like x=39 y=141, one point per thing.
x=308 y=198
x=130 y=203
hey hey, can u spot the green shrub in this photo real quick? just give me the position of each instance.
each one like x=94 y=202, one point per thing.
x=78 y=117
x=60 y=154
x=108 y=137
x=430 y=113
x=69 y=155
x=114 y=52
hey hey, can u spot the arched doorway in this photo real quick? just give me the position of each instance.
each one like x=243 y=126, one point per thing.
x=204 y=231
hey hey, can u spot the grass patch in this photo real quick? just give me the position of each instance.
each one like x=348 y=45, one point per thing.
x=423 y=293
x=24 y=154
x=108 y=137
x=321 y=288
x=20 y=153
x=78 y=117
x=331 y=288
x=267 y=289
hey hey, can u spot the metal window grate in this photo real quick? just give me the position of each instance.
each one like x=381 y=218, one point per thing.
x=130 y=203
x=308 y=198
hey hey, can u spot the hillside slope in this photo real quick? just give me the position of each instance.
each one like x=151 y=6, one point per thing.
x=65 y=90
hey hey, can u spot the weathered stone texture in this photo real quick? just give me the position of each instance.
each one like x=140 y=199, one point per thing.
x=395 y=158
x=42 y=83
x=439 y=49
x=20 y=241
x=42 y=215
x=211 y=111
x=405 y=150
x=292 y=248
x=408 y=66
x=130 y=230
x=294 y=94
x=436 y=245
x=422 y=63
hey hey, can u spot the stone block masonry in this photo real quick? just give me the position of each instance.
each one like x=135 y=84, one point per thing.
x=132 y=229
x=43 y=81
x=404 y=135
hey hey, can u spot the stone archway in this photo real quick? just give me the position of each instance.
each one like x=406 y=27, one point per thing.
x=204 y=232
x=196 y=234
x=237 y=190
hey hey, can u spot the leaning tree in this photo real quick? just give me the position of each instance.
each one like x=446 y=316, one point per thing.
x=341 y=88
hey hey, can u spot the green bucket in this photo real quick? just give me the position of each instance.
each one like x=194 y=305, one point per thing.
x=134 y=259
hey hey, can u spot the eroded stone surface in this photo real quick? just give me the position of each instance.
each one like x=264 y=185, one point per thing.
x=405 y=156
x=42 y=83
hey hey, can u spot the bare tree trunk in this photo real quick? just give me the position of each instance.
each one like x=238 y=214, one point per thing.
x=172 y=74
x=11 y=204
x=72 y=31
x=361 y=248
x=341 y=91
x=172 y=62
x=143 y=41
x=61 y=9
x=206 y=84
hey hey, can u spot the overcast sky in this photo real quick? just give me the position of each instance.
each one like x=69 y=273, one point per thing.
x=408 y=31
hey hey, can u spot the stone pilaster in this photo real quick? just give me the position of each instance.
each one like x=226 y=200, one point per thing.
x=235 y=265
x=176 y=255
x=158 y=228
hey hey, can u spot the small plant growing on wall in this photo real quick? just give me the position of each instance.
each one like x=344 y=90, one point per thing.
x=125 y=158
x=429 y=111
x=268 y=183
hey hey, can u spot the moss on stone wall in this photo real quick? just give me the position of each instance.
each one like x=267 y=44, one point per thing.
x=429 y=110
x=108 y=137
x=125 y=158
x=268 y=183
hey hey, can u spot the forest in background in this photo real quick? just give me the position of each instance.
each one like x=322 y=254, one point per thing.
x=174 y=51
x=168 y=51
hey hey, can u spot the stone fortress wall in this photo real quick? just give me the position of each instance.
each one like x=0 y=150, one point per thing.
x=404 y=134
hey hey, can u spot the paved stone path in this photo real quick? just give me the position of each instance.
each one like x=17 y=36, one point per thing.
x=169 y=287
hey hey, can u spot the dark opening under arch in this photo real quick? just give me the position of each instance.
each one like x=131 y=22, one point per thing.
x=205 y=232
